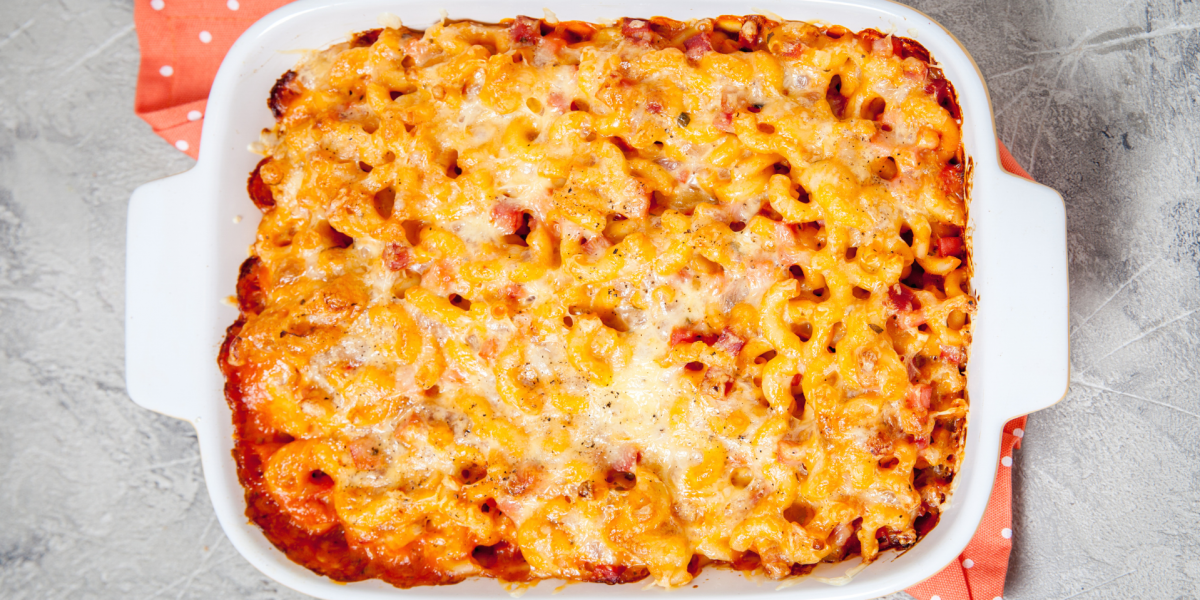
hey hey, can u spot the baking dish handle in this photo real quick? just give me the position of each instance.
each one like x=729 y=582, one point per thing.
x=1026 y=310
x=163 y=324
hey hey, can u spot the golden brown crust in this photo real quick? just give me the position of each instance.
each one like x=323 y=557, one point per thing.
x=282 y=93
x=260 y=192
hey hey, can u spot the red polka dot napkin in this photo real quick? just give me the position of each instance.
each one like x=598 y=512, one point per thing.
x=183 y=42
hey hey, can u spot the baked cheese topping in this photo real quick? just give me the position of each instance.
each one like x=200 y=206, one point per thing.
x=603 y=302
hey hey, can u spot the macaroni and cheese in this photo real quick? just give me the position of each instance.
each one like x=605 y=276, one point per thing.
x=603 y=302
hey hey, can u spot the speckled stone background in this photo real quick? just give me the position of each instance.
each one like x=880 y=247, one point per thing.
x=1098 y=99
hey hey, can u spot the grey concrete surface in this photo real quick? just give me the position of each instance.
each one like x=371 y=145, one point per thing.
x=101 y=499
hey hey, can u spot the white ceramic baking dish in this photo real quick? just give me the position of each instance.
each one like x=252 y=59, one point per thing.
x=189 y=233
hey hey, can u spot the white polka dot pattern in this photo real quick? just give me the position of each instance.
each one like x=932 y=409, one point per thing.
x=1019 y=432
x=166 y=71
x=205 y=37
x=1006 y=533
x=935 y=597
x=233 y=5
x=195 y=115
x=182 y=145
x=968 y=563
x=1006 y=461
x=157 y=4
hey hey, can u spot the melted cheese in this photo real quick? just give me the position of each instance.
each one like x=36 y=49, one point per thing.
x=648 y=304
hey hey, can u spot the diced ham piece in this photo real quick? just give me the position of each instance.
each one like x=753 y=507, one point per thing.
x=526 y=31
x=507 y=218
x=729 y=342
x=654 y=107
x=950 y=246
x=784 y=235
x=626 y=458
x=696 y=46
x=882 y=47
x=900 y=298
x=954 y=355
x=920 y=396
x=724 y=121
x=396 y=257
x=684 y=335
x=558 y=102
x=366 y=453
x=792 y=49
x=637 y=31
x=489 y=348
x=729 y=105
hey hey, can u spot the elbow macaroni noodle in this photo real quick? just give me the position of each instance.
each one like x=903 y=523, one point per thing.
x=603 y=302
